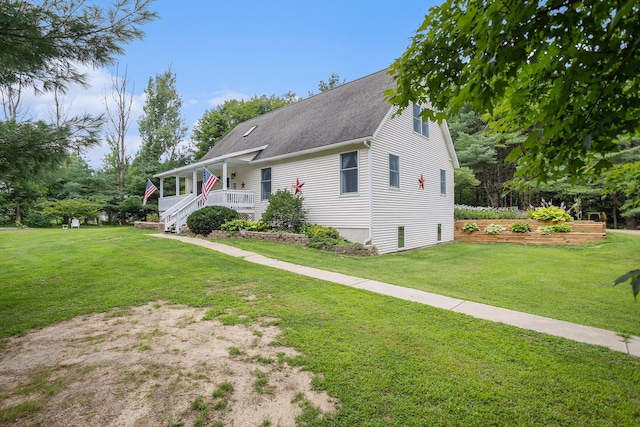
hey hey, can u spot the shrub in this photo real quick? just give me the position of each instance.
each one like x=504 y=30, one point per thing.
x=562 y=228
x=549 y=213
x=321 y=237
x=285 y=211
x=483 y=212
x=210 y=218
x=494 y=229
x=325 y=242
x=545 y=229
x=521 y=227
x=38 y=219
x=320 y=231
x=243 y=224
x=153 y=217
x=470 y=227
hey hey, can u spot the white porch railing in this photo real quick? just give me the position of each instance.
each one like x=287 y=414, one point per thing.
x=239 y=200
x=175 y=217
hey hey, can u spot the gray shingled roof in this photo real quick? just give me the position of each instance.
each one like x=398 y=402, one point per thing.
x=348 y=112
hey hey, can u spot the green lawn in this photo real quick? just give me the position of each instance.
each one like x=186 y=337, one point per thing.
x=572 y=283
x=389 y=362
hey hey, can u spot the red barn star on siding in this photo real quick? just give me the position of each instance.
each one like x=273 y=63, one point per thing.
x=421 y=181
x=298 y=186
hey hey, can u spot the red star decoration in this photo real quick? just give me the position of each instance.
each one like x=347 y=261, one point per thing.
x=298 y=186
x=421 y=181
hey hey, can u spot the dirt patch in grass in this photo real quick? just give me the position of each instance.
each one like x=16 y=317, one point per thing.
x=154 y=365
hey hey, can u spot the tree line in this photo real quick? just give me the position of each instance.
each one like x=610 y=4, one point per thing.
x=43 y=176
x=520 y=135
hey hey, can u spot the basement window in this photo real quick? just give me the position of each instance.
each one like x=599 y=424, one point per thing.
x=401 y=237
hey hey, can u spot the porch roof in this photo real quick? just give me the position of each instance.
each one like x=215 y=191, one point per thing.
x=213 y=163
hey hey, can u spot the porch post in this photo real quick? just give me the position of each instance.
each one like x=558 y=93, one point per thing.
x=177 y=185
x=161 y=188
x=195 y=182
x=224 y=175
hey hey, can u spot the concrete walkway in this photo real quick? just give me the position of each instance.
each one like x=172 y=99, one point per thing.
x=559 y=328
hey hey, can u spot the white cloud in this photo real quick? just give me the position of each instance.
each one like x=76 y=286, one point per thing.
x=90 y=100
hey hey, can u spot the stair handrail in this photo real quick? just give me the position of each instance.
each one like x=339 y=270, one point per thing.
x=177 y=218
x=188 y=199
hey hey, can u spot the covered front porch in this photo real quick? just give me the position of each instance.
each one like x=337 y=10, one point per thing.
x=175 y=208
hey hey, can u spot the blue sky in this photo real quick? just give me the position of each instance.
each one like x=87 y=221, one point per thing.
x=223 y=50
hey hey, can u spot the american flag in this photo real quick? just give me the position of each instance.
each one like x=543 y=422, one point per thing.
x=148 y=191
x=208 y=181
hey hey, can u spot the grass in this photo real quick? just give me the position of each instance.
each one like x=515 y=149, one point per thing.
x=388 y=362
x=572 y=283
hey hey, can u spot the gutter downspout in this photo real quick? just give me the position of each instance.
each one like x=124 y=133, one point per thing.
x=370 y=238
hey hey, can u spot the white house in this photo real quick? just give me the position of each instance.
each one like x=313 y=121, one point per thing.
x=377 y=178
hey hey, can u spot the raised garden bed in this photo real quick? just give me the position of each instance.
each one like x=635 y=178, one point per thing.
x=583 y=232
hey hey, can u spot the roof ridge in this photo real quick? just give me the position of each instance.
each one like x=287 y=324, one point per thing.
x=311 y=97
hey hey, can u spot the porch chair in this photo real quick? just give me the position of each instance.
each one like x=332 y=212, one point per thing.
x=75 y=222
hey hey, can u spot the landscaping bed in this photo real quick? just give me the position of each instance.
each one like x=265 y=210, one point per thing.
x=583 y=232
x=292 y=238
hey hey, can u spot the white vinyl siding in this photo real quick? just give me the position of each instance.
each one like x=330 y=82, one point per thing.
x=416 y=209
x=320 y=174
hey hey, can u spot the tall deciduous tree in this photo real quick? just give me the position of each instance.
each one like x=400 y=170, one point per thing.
x=564 y=71
x=118 y=122
x=216 y=123
x=332 y=82
x=162 y=126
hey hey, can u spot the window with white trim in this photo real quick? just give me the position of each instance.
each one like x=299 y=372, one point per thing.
x=394 y=171
x=443 y=182
x=419 y=125
x=349 y=173
x=265 y=183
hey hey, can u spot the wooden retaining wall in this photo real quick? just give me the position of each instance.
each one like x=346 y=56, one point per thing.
x=583 y=232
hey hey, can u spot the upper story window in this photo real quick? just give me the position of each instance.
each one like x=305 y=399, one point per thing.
x=265 y=183
x=419 y=125
x=443 y=182
x=394 y=171
x=349 y=172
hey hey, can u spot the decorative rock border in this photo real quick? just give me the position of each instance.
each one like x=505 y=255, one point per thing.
x=149 y=225
x=584 y=232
